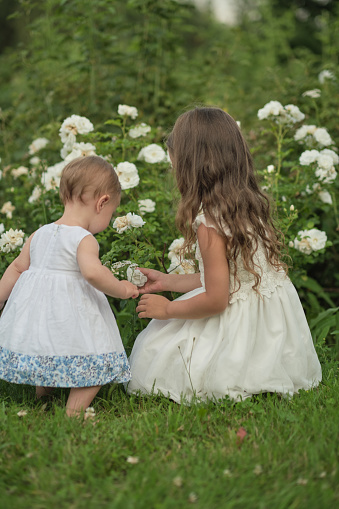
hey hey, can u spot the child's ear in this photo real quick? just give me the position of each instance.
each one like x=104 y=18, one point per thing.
x=103 y=200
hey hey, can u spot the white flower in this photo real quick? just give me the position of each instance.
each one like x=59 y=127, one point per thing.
x=325 y=75
x=34 y=161
x=133 y=460
x=152 y=154
x=17 y=172
x=146 y=206
x=179 y=266
x=331 y=153
x=291 y=243
x=37 y=145
x=72 y=126
x=258 y=470
x=322 y=137
x=192 y=497
x=270 y=168
x=175 y=248
x=325 y=197
x=272 y=108
x=127 y=222
x=139 y=130
x=7 y=209
x=135 y=276
x=22 y=413
x=10 y=240
x=50 y=179
x=311 y=240
x=89 y=412
x=325 y=161
x=326 y=176
x=129 y=111
x=303 y=131
x=292 y=208
x=177 y=481
x=128 y=175
x=78 y=150
x=36 y=193
x=312 y=93
x=308 y=157
x=293 y=113
x=2 y=228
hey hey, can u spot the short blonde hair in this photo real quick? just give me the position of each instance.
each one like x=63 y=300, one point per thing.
x=88 y=174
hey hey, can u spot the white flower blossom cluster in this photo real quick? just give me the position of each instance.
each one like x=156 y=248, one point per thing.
x=17 y=172
x=8 y=209
x=289 y=114
x=69 y=129
x=152 y=154
x=37 y=145
x=146 y=206
x=128 y=111
x=128 y=175
x=139 y=130
x=50 y=179
x=78 y=150
x=179 y=265
x=128 y=222
x=310 y=240
x=310 y=134
x=11 y=240
x=325 y=161
x=314 y=94
x=133 y=274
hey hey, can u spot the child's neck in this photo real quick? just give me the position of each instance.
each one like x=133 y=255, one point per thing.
x=76 y=214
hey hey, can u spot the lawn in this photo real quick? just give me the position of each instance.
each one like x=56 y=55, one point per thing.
x=140 y=452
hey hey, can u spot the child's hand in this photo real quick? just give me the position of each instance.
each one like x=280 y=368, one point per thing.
x=153 y=306
x=130 y=290
x=155 y=281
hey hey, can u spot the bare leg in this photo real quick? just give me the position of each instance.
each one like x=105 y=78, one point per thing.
x=43 y=391
x=79 y=399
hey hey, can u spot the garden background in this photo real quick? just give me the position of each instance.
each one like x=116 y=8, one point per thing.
x=61 y=58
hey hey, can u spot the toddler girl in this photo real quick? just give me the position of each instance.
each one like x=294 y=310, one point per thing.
x=57 y=329
x=240 y=330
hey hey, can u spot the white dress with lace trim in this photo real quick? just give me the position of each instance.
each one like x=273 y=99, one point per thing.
x=259 y=343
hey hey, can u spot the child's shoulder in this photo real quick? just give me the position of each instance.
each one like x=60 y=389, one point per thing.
x=204 y=219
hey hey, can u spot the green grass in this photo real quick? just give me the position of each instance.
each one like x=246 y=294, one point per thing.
x=288 y=459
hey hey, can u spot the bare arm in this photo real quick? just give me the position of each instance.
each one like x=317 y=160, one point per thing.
x=160 y=282
x=99 y=276
x=14 y=271
x=213 y=301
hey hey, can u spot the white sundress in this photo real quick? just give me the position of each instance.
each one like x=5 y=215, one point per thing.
x=57 y=330
x=257 y=344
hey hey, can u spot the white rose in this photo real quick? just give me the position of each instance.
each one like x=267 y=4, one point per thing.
x=22 y=170
x=72 y=126
x=152 y=154
x=326 y=176
x=303 y=131
x=7 y=209
x=325 y=161
x=139 y=130
x=135 y=276
x=303 y=245
x=146 y=206
x=308 y=157
x=2 y=228
x=50 y=179
x=271 y=108
x=325 y=197
x=134 y=220
x=35 y=195
x=10 y=240
x=293 y=113
x=315 y=93
x=270 y=168
x=78 y=150
x=181 y=266
x=129 y=111
x=317 y=239
x=331 y=153
x=37 y=145
x=121 y=224
x=322 y=137
x=175 y=248
x=127 y=174
x=325 y=75
x=34 y=161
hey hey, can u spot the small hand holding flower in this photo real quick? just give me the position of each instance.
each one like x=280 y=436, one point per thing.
x=130 y=289
x=153 y=306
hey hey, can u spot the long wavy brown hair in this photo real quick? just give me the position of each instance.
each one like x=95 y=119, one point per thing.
x=214 y=172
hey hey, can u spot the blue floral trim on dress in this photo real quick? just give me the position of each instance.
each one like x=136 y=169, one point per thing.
x=64 y=371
